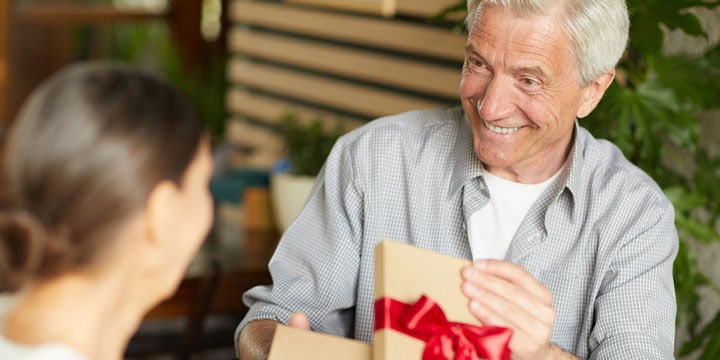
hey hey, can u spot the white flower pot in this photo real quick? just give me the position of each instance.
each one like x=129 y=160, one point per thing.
x=289 y=194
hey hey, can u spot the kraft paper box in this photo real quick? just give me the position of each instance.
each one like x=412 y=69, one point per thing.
x=295 y=344
x=405 y=273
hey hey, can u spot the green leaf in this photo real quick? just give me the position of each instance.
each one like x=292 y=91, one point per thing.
x=683 y=200
x=639 y=115
x=689 y=23
x=611 y=120
x=645 y=34
x=709 y=336
x=699 y=231
x=705 y=180
x=695 y=81
x=712 y=350
x=307 y=143
x=713 y=56
x=687 y=280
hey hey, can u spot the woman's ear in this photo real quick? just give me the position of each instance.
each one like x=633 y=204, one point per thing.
x=594 y=92
x=159 y=213
x=152 y=257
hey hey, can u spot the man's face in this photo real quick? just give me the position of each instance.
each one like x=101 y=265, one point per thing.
x=521 y=92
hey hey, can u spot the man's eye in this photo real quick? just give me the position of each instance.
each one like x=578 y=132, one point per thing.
x=530 y=84
x=475 y=64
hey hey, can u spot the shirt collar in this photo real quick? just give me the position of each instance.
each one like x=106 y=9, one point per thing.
x=570 y=178
x=467 y=165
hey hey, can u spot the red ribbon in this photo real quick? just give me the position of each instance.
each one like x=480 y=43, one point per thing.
x=444 y=339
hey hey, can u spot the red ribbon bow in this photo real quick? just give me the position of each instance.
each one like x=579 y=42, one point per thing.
x=426 y=321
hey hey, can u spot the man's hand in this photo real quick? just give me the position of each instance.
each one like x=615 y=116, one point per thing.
x=505 y=294
x=256 y=338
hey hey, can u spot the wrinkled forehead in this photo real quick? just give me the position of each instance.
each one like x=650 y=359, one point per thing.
x=534 y=27
x=522 y=43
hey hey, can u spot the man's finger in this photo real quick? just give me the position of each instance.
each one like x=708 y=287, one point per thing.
x=516 y=313
x=513 y=273
x=523 y=297
x=300 y=321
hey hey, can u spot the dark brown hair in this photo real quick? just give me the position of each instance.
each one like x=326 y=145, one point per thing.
x=83 y=155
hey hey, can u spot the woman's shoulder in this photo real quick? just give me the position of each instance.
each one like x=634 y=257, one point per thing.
x=12 y=350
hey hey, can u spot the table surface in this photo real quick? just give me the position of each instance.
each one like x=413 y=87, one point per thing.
x=234 y=249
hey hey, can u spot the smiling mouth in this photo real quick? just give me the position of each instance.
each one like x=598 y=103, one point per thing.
x=500 y=130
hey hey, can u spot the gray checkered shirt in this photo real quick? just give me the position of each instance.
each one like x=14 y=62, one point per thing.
x=601 y=238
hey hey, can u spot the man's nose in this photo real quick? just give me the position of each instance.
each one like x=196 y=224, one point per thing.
x=496 y=103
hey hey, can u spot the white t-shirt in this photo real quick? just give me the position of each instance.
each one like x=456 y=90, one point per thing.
x=10 y=350
x=493 y=227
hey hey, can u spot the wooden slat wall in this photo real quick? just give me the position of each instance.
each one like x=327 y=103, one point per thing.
x=318 y=58
x=385 y=8
x=422 y=7
x=376 y=7
x=348 y=61
x=270 y=110
x=342 y=95
x=408 y=37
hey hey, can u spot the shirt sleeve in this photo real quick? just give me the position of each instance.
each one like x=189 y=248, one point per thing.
x=315 y=266
x=635 y=308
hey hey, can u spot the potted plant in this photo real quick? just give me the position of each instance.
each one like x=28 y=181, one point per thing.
x=307 y=145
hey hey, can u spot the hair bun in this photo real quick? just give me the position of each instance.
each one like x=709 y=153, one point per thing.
x=20 y=235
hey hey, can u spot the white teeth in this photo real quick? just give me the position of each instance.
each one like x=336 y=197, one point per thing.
x=499 y=130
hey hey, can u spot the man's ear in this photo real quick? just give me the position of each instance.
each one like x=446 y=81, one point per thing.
x=594 y=92
x=159 y=212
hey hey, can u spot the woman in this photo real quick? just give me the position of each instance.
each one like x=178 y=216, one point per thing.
x=105 y=202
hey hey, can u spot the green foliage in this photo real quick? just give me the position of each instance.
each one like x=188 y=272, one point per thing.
x=206 y=86
x=655 y=103
x=707 y=340
x=307 y=144
x=150 y=45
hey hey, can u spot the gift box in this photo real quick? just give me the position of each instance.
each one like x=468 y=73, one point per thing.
x=296 y=344
x=421 y=312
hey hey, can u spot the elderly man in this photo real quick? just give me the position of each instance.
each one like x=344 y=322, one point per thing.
x=573 y=245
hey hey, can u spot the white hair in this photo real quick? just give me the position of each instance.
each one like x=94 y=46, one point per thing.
x=597 y=29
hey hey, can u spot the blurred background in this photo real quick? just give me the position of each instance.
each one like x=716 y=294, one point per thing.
x=182 y=40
